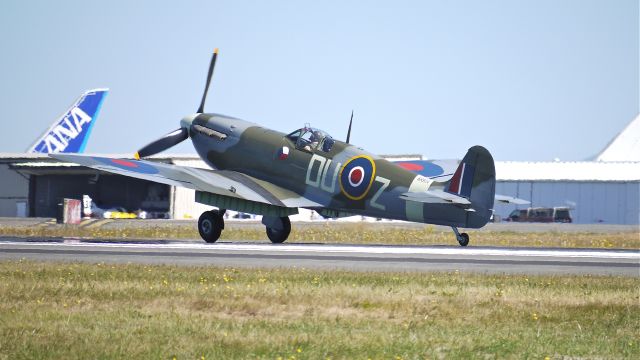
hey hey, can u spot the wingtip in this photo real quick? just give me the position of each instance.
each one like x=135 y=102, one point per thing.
x=136 y=156
x=215 y=51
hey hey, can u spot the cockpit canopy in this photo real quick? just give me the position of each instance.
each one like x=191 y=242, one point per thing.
x=311 y=139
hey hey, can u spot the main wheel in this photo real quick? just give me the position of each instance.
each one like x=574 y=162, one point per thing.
x=280 y=235
x=463 y=240
x=210 y=225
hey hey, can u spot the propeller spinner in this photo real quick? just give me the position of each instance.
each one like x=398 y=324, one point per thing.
x=181 y=134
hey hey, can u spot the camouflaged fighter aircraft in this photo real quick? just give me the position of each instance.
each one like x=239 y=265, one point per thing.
x=269 y=173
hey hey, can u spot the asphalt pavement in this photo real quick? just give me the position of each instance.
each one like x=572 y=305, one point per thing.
x=328 y=256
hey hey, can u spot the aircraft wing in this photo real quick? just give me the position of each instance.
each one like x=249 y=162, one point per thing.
x=511 y=200
x=221 y=182
x=435 y=197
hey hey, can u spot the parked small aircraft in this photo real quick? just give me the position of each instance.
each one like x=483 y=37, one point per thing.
x=70 y=132
x=265 y=172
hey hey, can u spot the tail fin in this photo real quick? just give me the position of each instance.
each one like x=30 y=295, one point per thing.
x=462 y=180
x=69 y=134
x=475 y=179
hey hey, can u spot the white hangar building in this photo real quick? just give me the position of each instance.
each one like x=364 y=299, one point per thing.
x=606 y=190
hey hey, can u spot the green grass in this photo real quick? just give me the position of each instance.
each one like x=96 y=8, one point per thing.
x=358 y=233
x=50 y=310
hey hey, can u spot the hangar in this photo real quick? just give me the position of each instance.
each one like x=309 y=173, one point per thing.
x=597 y=191
x=603 y=190
x=33 y=185
x=606 y=190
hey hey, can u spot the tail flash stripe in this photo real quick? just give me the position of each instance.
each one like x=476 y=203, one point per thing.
x=462 y=180
x=454 y=185
x=466 y=183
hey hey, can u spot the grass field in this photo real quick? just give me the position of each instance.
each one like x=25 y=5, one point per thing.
x=50 y=310
x=352 y=233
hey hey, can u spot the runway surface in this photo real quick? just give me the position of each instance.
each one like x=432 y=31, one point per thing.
x=329 y=256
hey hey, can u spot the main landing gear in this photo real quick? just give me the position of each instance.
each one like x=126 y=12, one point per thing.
x=211 y=224
x=278 y=228
x=463 y=238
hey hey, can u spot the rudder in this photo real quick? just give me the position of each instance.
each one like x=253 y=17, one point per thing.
x=475 y=179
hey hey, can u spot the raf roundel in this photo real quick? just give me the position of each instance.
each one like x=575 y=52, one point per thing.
x=356 y=177
x=129 y=165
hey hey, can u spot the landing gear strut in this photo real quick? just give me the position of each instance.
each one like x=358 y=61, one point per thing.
x=278 y=228
x=463 y=238
x=210 y=225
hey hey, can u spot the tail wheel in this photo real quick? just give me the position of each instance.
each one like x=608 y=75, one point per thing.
x=278 y=236
x=210 y=225
x=463 y=239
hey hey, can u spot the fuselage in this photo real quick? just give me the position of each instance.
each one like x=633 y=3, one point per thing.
x=342 y=178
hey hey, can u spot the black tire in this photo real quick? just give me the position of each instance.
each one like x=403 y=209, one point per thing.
x=463 y=240
x=279 y=236
x=210 y=225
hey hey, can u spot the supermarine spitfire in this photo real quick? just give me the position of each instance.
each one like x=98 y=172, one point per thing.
x=265 y=172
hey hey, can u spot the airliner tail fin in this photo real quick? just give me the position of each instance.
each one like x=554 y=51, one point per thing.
x=69 y=134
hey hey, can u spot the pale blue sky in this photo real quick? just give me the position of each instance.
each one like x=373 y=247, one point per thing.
x=530 y=80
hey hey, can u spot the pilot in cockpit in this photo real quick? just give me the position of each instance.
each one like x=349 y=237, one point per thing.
x=314 y=139
x=310 y=139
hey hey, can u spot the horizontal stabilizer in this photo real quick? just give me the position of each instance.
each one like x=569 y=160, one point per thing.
x=511 y=200
x=435 y=197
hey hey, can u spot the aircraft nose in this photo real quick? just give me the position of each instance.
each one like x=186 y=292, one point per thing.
x=187 y=121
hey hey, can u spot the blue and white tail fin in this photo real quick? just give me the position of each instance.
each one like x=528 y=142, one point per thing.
x=69 y=134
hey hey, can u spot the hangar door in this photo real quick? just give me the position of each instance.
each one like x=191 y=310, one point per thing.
x=107 y=191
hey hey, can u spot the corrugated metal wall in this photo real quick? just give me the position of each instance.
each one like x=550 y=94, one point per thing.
x=14 y=189
x=595 y=202
x=184 y=205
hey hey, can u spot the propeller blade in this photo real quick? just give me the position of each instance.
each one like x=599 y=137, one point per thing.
x=349 y=132
x=212 y=65
x=173 y=138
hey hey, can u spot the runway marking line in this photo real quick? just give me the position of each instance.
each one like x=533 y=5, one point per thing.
x=602 y=254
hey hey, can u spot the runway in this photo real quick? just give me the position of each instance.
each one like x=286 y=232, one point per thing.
x=328 y=256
